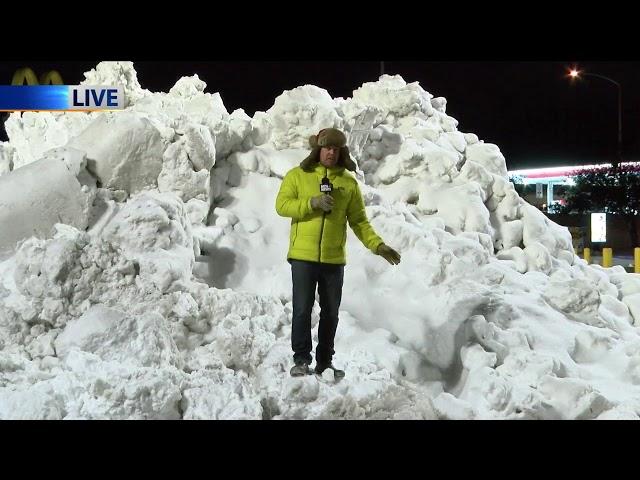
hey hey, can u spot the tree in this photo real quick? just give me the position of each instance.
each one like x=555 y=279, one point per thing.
x=518 y=184
x=614 y=190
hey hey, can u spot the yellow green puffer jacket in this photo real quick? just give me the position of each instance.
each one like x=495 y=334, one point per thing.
x=317 y=236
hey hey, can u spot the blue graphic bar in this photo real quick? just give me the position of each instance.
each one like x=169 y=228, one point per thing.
x=34 y=97
x=61 y=98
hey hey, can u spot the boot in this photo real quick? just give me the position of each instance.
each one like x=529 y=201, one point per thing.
x=300 y=369
x=321 y=367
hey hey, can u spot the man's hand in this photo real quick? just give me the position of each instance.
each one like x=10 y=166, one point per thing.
x=389 y=254
x=323 y=202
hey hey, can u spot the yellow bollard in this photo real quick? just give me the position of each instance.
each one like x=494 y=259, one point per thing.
x=607 y=257
x=587 y=254
x=636 y=260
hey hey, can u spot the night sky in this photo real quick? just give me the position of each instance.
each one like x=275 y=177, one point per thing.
x=529 y=109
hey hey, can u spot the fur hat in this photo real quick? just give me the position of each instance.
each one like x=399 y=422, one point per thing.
x=328 y=137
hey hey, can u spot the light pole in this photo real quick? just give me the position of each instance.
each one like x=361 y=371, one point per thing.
x=576 y=74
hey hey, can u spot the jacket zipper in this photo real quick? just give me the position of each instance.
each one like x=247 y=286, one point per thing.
x=324 y=214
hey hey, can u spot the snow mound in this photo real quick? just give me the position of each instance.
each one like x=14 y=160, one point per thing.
x=144 y=272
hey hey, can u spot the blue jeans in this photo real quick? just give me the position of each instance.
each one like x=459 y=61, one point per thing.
x=328 y=278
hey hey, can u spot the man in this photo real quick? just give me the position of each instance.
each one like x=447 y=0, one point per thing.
x=320 y=196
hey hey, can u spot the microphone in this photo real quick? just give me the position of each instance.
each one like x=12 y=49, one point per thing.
x=326 y=187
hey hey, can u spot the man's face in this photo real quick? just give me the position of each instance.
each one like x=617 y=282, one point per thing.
x=329 y=156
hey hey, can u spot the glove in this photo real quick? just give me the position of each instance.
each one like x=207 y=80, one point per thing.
x=389 y=254
x=323 y=202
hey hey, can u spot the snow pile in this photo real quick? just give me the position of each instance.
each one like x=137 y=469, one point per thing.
x=157 y=286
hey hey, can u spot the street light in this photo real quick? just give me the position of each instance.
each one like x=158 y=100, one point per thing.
x=574 y=73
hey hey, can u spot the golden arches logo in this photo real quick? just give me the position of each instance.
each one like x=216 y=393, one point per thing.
x=26 y=74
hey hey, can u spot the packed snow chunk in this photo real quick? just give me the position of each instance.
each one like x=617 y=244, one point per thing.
x=197 y=211
x=31 y=134
x=154 y=230
x=619 y=412
x=592 y=345
x=36 y=197
x=456 y=140
x=575 y=298
x=223 y=218
x=505 y=201
x=489 y=156
x=201 y=147
x=474 y=172
x=112 y=334
x=502 y=207
x=475 y=356
x=109 y=390
x=39 y=402
x=629 y=286
x=179 y=176
x=240 y=127
x=85 y=387
x=449 y=407
x=471 y=138
x=494 y=395
x=124 y=151
x=281 y=161
x=299 y=113
x=467 y=247
x=232 y=132
x=529 y=367
x=538 y=228
x=260 y=128
x=395 y=97
x=242 y=342
x=188 y=87
x=538 y=258
x=461 y=207
x=595 y=274
x=59 y=279
x=440 y=104
x=517 y=255
x=120 y=74
x=632 y=354
x=573 y=399
x=633 y=302
x=220 y=394
x=76 y=162
x=415 y=159
x=255 y=160
x=7 y=153
x=43 y=344
x=508 y=234
x=613 y=310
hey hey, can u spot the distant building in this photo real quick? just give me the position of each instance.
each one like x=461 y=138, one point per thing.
x=539 y=182
x=543 y=187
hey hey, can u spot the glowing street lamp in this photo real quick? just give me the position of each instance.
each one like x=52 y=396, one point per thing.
x=574 y=73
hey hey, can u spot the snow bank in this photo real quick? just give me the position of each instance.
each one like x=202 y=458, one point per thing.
x=167 y=293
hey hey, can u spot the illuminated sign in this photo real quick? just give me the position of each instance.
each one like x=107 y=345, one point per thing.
x=599 y=227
